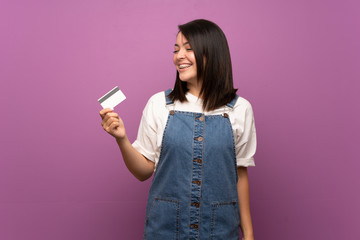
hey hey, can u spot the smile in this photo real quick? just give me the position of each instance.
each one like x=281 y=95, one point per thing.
x=183 y=66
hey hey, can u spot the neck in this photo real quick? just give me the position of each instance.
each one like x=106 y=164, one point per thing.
x=195 y=89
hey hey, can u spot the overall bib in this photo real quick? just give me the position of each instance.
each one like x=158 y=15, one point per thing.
x=193 y=193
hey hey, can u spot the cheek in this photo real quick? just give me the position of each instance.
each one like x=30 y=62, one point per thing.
x=174 y=60
x=193 y=59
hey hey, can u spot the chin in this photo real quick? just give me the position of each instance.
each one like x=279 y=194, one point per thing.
x=185 y=78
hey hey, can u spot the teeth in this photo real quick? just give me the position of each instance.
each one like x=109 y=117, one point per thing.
x=184 y=66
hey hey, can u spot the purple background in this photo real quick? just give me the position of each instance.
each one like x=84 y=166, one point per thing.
x=62 y=176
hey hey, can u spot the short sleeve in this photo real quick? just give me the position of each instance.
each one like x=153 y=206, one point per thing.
x=245 y=136
x=146 y=139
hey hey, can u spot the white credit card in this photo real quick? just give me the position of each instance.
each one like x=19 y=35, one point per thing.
x=112 y=98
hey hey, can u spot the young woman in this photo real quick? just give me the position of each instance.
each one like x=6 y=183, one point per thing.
x=197 y=139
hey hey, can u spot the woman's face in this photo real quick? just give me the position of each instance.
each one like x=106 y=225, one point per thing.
x=184 y=60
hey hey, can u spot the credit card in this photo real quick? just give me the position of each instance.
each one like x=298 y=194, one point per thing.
x=112 y=98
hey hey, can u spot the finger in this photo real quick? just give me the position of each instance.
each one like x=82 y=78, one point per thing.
x=104 y=111
x=106 y=121
x=110 y=121
x=113 y=114
x=110 y=115
x=112 y=127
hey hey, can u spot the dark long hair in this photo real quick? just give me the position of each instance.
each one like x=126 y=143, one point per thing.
x=213 y=64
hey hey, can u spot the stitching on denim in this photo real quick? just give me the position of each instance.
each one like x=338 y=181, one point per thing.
x=214 y=116
x=192 y=163
x=192 y=173
x=149 y=213
x=162 y=141
x=167 y=99
x=233 y=102
x=187 y=113
x=177 y=208
x=178 y=221
x=214 y=207
x=198 y=113
x=202 y=171
x=212 y=220
x=233 y=145
x=218 y=204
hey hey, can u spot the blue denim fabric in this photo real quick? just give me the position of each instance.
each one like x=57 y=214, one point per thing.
x=193 y=194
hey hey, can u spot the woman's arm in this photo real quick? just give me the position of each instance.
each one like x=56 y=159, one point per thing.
x=138 y=165
x=244 y=204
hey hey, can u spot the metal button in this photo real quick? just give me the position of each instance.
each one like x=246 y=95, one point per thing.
x=198 y=182
x=196 y=204
x=194 y=226
x=198 y=160
x=200 y=139
x=172 y=112
x=226 y=115
x=201 y=118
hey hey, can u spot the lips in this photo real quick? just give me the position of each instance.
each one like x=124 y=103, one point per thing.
x=184 y=66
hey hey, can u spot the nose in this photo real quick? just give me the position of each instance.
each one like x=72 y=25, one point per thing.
x=181 y=54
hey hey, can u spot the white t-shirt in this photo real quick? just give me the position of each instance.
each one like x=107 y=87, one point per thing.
x=155 y=116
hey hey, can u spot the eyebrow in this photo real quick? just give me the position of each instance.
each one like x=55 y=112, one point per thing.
x=177 y=45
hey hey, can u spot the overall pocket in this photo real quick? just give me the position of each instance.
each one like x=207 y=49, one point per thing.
x=225 y=221
x=162 y=221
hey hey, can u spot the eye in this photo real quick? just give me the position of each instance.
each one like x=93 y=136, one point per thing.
x=175 y=51
x=189 y=49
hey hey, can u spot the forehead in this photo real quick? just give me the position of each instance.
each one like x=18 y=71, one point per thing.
x=181 y=39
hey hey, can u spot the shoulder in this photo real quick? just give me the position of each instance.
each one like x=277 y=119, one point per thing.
x=157 y=98
x=155 y=104
x=242 y=105
x=242 y=118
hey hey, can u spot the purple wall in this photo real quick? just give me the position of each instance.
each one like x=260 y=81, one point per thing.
x=62 y=176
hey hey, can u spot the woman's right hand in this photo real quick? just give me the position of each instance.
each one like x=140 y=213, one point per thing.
x=112 y=123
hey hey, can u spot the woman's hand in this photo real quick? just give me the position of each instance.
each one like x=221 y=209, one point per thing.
x=112 y=123
x=138 y=165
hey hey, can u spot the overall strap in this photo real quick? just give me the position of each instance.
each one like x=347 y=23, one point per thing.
x=168 y=99
x=232 y=103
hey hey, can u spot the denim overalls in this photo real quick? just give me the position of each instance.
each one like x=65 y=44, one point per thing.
x=193 y=193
